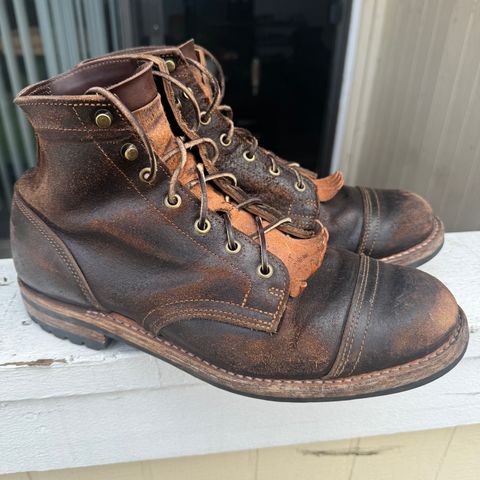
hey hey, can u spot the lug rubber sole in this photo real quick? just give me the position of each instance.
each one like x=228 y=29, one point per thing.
x=423 y=251
x=96 y=330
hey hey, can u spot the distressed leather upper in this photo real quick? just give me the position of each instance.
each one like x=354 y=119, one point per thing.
x=87 y=231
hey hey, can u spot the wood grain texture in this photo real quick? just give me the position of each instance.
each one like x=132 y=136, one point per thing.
x=414 y=105
x=86 y=406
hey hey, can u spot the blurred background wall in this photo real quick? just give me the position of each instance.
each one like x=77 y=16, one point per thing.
x=413 y=119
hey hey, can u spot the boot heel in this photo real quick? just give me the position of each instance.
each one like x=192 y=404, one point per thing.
x=61 y=324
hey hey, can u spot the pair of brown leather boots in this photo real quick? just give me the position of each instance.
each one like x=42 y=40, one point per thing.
x=150 y=218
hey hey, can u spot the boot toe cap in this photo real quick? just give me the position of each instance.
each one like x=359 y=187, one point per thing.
x=399 y=220
x=407 y=315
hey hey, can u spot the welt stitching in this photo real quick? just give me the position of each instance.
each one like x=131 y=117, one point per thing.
x=356 y=312
x=354 y=379
x=58 y=249
x=370 y=310
x=429 y=239
x=175 y=226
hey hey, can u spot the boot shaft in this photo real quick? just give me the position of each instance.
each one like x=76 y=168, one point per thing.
x=121 y=232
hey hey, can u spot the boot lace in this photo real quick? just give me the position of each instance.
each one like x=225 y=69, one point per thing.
x=218 y=90
x=173 y=199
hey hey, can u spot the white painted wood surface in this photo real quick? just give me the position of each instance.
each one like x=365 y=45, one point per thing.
x=62 y=405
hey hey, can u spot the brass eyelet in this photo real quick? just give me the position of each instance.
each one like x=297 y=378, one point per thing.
x=205 y=230
x=178 y=103
x=273 y=172
x=103 y=118
x=178 y=201
x=268 y=274
x=238 y=247
x=224 y=141
x=129 y=151
x=203 y=119
x=249 y=157
x=145 y=174
x=300 y=186
x=170 y=65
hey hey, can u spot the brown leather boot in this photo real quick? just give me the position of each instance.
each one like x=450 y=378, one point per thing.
x=119 y=233
x=391 y=225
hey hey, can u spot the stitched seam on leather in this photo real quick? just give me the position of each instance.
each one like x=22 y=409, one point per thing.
x=43 y=129
x=377 y=222
x=63 y=104
x=429 y=239
x=356 y=313
x=192 y=300
x=214 y=313
x=179 y=229
x=274 y=291
x=353 y=331
x=58 y=249
x=453 y=338
x=313 y=187
x=366 y=226
x=370 y=311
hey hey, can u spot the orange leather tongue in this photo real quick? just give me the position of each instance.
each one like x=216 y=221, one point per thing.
x=301 y=257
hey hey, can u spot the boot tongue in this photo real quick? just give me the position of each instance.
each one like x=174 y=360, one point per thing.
x=189 y=51
x=138 y=89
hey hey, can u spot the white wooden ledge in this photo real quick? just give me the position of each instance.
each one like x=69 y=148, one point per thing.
x=63 y=405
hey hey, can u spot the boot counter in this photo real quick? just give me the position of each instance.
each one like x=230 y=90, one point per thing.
x=42 y=260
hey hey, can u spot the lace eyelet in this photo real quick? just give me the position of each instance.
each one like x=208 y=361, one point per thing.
x=129 y=152
x=238 y=247
x=224 y=141
x=300 y=187
x=170 y=65
x=249 y=157
x=178 y=201
x=273 y=172
x=205 y=230
x=203 y=119
x=103 y=118
x=267 y=274
x=144 y=174
x=178 y=103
